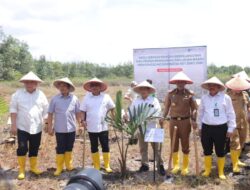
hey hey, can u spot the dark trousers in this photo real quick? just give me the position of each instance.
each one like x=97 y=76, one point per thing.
x=65 y=142
x=214 y=136
x=103 y=137
x=28 y=143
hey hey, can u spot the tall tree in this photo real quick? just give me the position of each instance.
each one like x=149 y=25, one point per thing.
x=15 y=58
x=42 y=67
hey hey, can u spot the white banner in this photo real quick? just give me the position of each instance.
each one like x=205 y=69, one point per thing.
x=161 y=64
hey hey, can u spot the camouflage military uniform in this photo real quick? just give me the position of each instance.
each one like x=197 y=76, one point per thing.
x=240 y=103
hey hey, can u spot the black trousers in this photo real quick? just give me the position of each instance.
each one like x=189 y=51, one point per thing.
x=28 y=143
x=214 y=135
x=65 y=142
x=103 y=137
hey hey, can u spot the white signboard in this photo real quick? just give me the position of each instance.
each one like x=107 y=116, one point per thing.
x=154 y=135
x=161 y=64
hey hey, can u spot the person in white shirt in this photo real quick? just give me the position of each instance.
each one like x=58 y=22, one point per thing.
x=144 y=89
x=216 y=121
x=95 y=107
x=28 y=109
x=130 y=95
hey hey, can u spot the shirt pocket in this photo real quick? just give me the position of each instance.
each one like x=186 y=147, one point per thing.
x=174 y=101
x=71 y=108
x=39 y=104
x=223 y=106
x=104 y=105
x=23 y=103
x=60 y=108
x=186 y=100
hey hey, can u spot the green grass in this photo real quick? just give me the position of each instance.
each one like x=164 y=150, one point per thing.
x=3 y=106
x=3 y=110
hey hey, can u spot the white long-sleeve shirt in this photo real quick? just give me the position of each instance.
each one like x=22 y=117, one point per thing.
x=31 y=109
x=221 y=102
x=153 y=103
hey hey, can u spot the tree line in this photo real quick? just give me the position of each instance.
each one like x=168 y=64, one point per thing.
x=225 y=72
x=16 y=60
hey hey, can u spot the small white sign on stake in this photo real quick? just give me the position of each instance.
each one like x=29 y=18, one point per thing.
x=154 y=135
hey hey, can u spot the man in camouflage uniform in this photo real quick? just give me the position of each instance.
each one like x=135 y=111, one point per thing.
x=244 y=75
x=241 y=104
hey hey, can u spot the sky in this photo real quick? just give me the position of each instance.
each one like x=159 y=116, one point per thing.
x=107 y=31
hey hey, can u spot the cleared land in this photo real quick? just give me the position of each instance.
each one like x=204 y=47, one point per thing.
x=112 y=181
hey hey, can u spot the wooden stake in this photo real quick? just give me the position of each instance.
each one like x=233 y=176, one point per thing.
x=172 y=147
x=163 y=126
x=197 y=168
x=45 y=144
x=84 y=148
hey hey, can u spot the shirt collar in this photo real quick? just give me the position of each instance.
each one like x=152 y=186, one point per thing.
x=216 y=95
x=61 y=96
x=181 y=91
x=91 y=94
x=35 y=91
x=148 y=98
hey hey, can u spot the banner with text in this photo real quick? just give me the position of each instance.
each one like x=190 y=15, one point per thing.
x=161 y=64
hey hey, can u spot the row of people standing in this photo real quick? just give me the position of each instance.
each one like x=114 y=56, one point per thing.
x=30 y=111
x=29 y=108
x=222 y=120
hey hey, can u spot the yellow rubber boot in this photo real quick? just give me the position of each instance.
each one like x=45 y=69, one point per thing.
x=208 y=166
x=21 y=162
x=96 y=160
x=221 y=164
x=235 y=157
x=59 y=164
x=33 y=166
x=68 y=161
x=240 y=164
x=106 y=159
x=176 y=168
x=185 y=164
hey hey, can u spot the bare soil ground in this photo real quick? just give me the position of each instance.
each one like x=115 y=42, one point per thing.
x=135 y=180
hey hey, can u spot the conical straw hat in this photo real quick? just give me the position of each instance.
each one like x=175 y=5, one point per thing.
x=144 y=84
x=86 y=86
x=133 y=83
x=243 y=75
x=180 y=76
x=65 y=80
x=238 y=83
x=213 y=80
x=30 y=76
